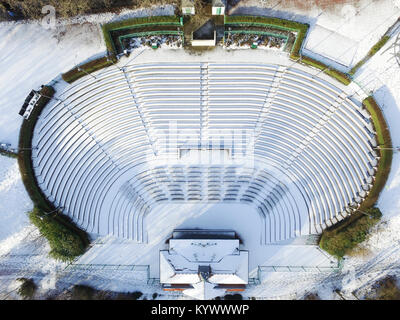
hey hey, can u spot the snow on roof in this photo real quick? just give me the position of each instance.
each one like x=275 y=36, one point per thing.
x=201 y=250
x=218 y=3
x=180 y=264
x=204 y=291
x=188 y=3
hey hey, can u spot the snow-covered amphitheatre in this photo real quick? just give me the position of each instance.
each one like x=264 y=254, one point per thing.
x=112 y=149
x=210 y=171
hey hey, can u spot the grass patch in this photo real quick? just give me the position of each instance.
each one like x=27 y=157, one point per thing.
x=27 y=289
x=59 y=230
x=346 y=235
x=89 y=67
x=375 y=48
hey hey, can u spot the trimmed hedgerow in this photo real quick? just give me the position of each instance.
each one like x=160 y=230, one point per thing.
x=57 y=225
x=25 y=153
x=385 y=161
x=89 y=67
x=346 y=235
x=301 y=29
x=336 y=74
x=375 y=48
x=134 y=23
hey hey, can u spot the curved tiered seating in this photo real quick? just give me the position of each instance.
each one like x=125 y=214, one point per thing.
x=300 y=151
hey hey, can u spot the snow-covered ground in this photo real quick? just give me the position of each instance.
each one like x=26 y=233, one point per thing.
x=165 y=218
x=343 y=34
x=14 y=201
x=31 y=55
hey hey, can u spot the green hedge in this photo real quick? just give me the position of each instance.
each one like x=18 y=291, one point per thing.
x=385 y=161
x=58 y=223
x=65 y=243
x=341 y=238
x=345 y=236
x=133 y=23
x=89 y=67
x=25 y=154
x=370 y=53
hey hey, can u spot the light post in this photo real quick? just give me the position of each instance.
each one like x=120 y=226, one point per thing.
x=80 y=69
x=57 y=210
x=393 y=149
x=30 y=149
x=297 y=60
x=55 y=98
x=363 y=212
x=322 y=70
